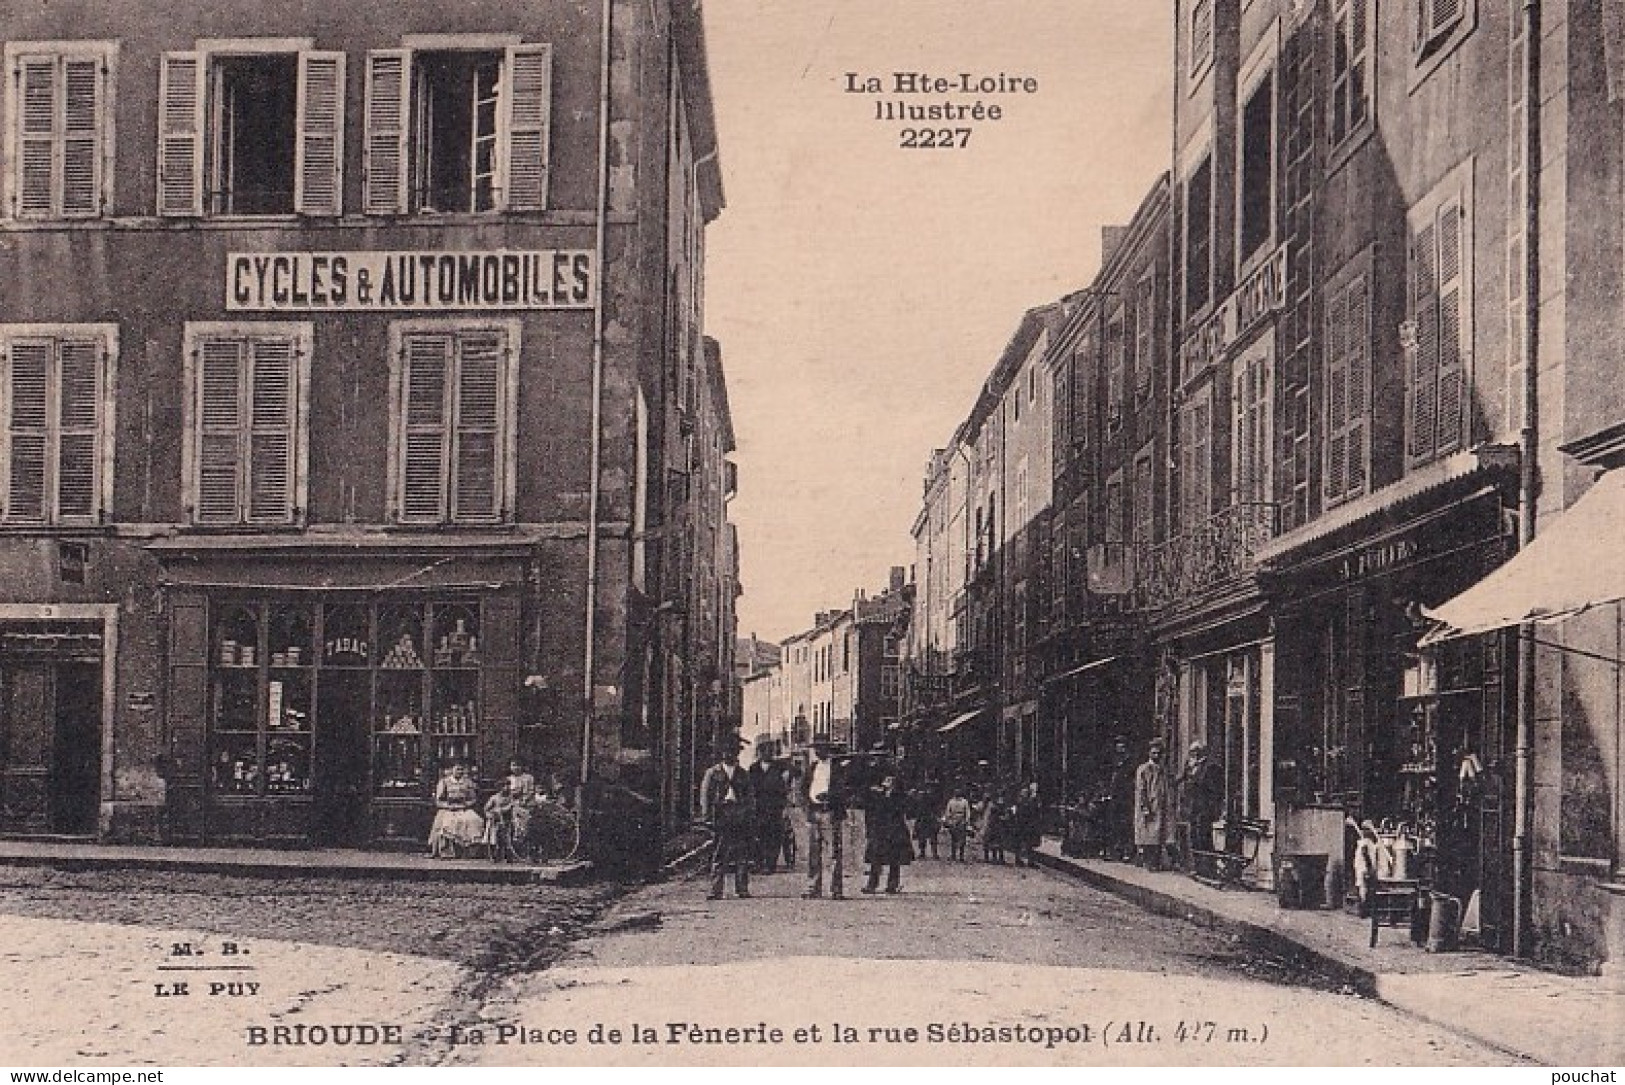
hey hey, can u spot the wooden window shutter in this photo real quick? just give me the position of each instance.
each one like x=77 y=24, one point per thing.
x=180 y=134
x=528 y=84
x=28 y=428
x=1145 y=315
x=1203 y=478
x=387 y=122
x=477 y=478
x=1083 y=393
x=78 y=430
x=319 y=169
x=82 y=107
x=1359 y=65
x=424 y=445
x=1451 y=403
x=221 y=363
x=1114 y=367
x=1442 y=15
x=1424 y=375
x=273 y=400
x=35 y=80
x=1335 y=479
x=1357 y=372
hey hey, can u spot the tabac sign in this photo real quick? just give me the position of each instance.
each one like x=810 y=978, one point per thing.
x=415 y=281
x=1259 y=295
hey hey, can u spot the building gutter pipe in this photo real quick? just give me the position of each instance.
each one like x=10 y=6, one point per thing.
x=1528 y=483
x=595 y=470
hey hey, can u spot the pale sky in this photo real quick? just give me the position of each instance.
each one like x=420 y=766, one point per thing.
x=862 y=292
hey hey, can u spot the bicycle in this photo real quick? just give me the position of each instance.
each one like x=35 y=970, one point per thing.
x=552 y=835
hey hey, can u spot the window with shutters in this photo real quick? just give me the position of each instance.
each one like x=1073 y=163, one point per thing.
x=246 y=455
x=1111 y=530
x=1438 y=334
x=58 y=129
x=1439 y=26
x=1083 y=391
x=1144 y=524
x=1252 y=382
x=58 y=406
x=1199 y=238
x=1195 y=459
x=1145 y=334
x=249 y=128
x=1345 y=470
x=452 y=444
x=458 y=130
x=1255 y=190
x=1116 y=367
x=1023 y=499
x=1201 y=37
x=1352 y=71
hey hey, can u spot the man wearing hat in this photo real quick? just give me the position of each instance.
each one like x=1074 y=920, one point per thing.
x=1151 y=808
x=1201 y=789
x=728 y=807
x=826 y=821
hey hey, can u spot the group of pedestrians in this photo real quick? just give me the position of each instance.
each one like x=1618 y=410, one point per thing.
x=747 y=811
x=1145 y=813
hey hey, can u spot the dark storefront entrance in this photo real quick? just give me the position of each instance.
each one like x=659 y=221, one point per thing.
x=50 y=728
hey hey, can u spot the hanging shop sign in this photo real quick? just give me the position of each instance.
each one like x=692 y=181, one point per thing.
x=1260 y=294
x=415 y=281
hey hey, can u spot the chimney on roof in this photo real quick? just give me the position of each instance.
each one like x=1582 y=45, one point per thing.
x=1110 y=238
x=898 y=577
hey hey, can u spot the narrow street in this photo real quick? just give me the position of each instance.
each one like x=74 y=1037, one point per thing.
x=965 y=948
x=521 y=975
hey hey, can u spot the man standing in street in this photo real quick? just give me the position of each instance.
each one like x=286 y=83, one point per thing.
x=726 y=804
x=1202 y=802
x=767 y=783
x=826 y=821
x=1151 y=808
x=1117 y=802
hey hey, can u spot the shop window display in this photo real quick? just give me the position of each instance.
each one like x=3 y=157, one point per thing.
x=385 y=695
x=261 y=695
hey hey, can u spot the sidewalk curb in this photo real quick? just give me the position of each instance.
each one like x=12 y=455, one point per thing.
x=565 y=875
x=1363 y=981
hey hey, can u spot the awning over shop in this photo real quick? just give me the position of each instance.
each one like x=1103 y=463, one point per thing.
x=1091 y=665
x=1574 y=565
x=963 y=717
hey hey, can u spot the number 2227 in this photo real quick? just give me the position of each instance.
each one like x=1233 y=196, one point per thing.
x=933 y=138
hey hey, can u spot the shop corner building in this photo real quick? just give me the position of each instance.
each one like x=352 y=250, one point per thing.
x=344 y=359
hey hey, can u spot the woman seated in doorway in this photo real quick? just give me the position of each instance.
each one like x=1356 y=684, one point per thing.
x=458 y=827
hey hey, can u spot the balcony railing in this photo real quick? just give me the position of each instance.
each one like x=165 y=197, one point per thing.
x=1218 y=550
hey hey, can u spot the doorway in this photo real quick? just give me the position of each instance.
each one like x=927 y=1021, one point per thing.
x=342 y=777
x=50 y=731
x=76 y=755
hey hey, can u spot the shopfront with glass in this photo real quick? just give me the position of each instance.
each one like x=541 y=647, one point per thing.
x=1369 y=727
x=330 y=719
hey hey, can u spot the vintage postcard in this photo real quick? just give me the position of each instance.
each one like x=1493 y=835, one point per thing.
x=733 y=532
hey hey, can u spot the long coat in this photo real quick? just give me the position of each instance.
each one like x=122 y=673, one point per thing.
x=1150 y=805
x=885 y=826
